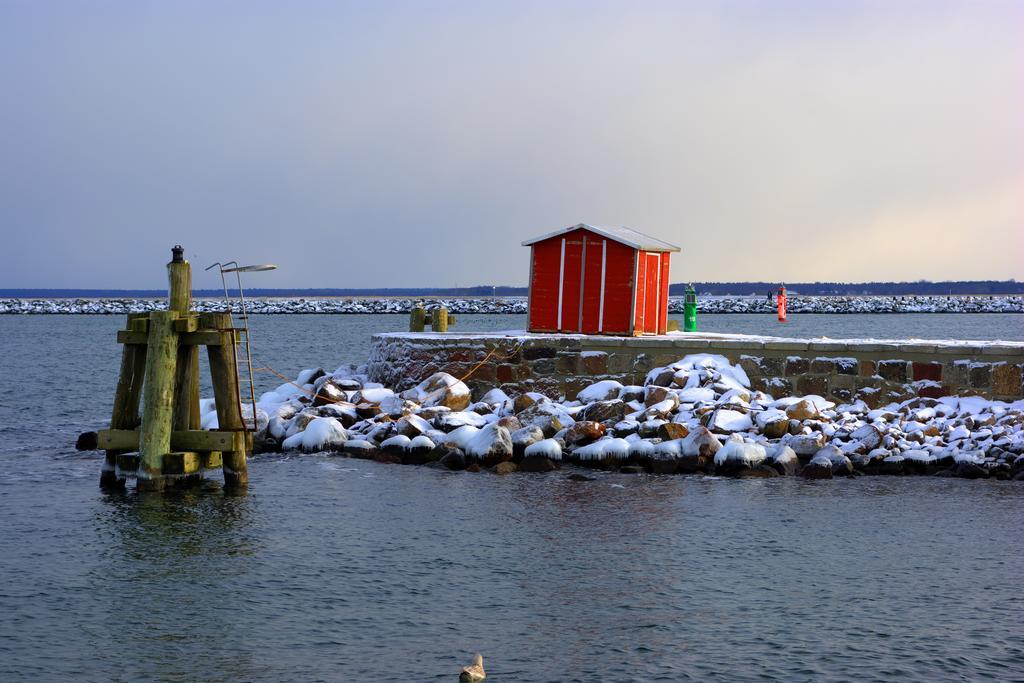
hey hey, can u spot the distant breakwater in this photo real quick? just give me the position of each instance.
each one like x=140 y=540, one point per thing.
x=518 y=305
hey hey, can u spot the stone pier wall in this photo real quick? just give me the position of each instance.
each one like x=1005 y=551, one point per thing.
x=562 y=365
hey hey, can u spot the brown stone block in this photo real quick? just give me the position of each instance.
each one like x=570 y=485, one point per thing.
x=893 y=370
x=573 y=386
x=456 y=370
x=1006 y=380
x=619 y=363
x=485 y=373
x=866 y=368
x=751 y=365
x=823 y=366
x=461 y=355
x=932 y=371
x=843 y=393
x=776 y=386
x=797 y=366
x=507 y=373
x=980 y=375
x=566 y=363
x=663 y=359
x=812 y=385
x=846 y=366
x=548 y=386
x=933 y=391
x=544 y=366
x=538 y=352
x=594 y=362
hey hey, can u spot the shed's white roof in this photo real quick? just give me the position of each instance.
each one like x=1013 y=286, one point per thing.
x=627 y=236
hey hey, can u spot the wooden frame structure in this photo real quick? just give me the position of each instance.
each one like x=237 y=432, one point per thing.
x=160 y=365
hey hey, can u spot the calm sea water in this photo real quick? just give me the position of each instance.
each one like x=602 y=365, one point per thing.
x=344 y=570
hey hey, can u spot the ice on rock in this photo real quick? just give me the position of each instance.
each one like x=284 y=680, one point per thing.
x=491 y=440
x=669 y=450
x=640 y=448
x=398 y=442
x=461 y=437
x=545 y=448
x=452 y=421
x=421 y=442
x=323 y=433
x=607 y=448
x=960 y=432
x=696 y=395
x=600 y=391
x=917 y=455
x=731 y=421
x=308 y=375
x=740 y=453
x=376 y=395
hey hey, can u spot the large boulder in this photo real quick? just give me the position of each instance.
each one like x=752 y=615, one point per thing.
x=525 y=437
x=605 y=411
x=701 y=442
x=412 y=426
x=737 y=456
x=600 y=391
x=730 y=421
x=784 y=460
x=440 y=389
x=320 y=434
x=804 y=409
x=841 y=465
x=773 y=423
x=450 y=421
x=584 y=432
x=490 y=445
x=820 y=467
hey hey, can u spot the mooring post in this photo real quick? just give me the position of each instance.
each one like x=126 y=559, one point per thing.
x=179 y=299
x=416 y=318
x=125 y=414
x=157 y=399
x=224 y=375
x=439 y=319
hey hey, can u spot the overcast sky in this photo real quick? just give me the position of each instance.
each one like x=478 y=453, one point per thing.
x=418 y=143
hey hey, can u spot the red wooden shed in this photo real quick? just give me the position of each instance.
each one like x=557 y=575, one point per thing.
x=599 y=280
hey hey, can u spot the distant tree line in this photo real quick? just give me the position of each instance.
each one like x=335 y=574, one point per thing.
x=923 y=287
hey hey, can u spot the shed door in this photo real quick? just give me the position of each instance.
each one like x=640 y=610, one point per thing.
x=652 y=293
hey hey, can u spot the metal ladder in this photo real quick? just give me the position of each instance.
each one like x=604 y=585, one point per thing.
x=244 y=338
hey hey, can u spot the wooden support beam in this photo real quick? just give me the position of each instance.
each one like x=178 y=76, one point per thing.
x=126 y=404
x=224 y=373
x=157 y=399
x=198 y=338
x=189 y=324
x=181 y=440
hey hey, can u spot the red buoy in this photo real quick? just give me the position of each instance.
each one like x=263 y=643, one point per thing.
x=782 y=304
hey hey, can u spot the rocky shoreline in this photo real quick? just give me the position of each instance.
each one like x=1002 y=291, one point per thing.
x=518 y=305
x=696 y=416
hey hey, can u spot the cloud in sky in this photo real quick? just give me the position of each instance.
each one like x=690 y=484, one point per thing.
x=418 y=143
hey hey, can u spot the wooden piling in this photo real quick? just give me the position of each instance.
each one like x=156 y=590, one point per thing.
x=158 y=399
x=179 y=299
x=439 y=320
x=224 y=375
x=416 y=319
x=125 y=414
